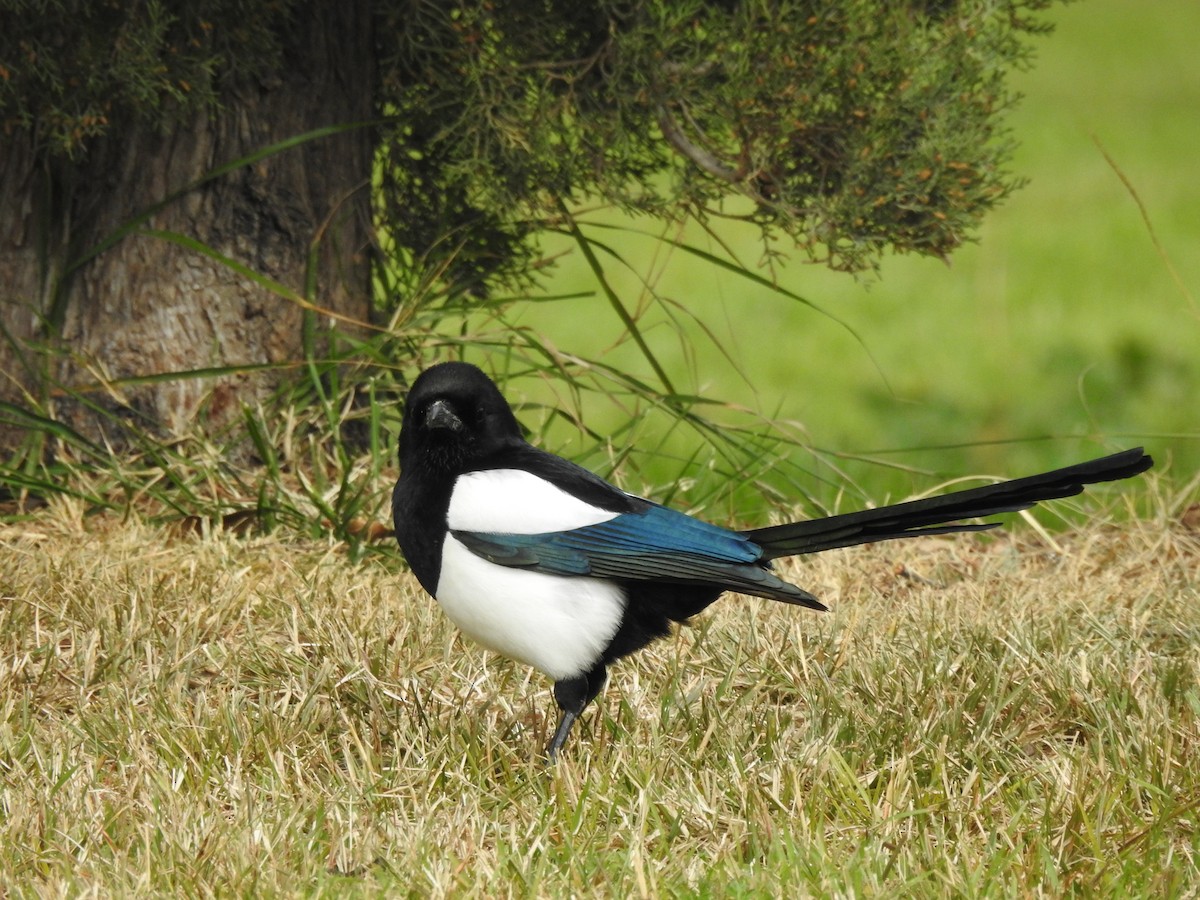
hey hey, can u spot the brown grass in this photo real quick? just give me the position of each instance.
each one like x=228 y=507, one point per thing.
x=216 y=715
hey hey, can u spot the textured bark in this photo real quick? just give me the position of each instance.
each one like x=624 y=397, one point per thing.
x=146 y=305
x=22 y=279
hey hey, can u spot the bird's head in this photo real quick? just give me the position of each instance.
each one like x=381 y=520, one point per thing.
x=454 y=416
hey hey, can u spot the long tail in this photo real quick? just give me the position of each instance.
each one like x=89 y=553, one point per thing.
x=939 y=515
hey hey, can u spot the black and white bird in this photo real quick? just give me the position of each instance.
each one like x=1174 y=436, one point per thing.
x=542 y=561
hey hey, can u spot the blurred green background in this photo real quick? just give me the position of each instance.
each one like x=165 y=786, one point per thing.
x=1062 y=332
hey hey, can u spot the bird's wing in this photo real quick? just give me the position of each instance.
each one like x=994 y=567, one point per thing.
x=653 y=543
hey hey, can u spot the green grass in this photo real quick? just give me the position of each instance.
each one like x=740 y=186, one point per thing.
x=1061 y=331
x=212 y=716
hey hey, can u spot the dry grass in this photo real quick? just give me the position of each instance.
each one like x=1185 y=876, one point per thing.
x=247 y=716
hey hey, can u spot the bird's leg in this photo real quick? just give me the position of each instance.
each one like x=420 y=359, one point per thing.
x=560 y=734
x=572 y=695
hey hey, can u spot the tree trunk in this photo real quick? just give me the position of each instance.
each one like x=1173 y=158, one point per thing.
x=147 y=305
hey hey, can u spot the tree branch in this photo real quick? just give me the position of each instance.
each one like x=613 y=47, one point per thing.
x=704 y=159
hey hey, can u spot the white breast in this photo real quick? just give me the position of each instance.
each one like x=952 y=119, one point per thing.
x=559 y=625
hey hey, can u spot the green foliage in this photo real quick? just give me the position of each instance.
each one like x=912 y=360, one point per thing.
x=846 y=127
x=72 y=69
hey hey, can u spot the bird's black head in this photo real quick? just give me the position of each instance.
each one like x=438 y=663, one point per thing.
x=454 y=416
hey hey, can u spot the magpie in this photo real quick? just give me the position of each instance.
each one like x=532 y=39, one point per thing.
x=540 y=560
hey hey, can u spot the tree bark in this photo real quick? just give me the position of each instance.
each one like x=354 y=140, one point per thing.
x=147 y=305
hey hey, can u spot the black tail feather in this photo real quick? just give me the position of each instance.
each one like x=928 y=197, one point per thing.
x=938 y=515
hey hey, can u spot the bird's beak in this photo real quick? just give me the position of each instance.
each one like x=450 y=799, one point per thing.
x=440 y=415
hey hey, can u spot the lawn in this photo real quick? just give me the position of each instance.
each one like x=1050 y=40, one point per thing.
x=206 y=716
